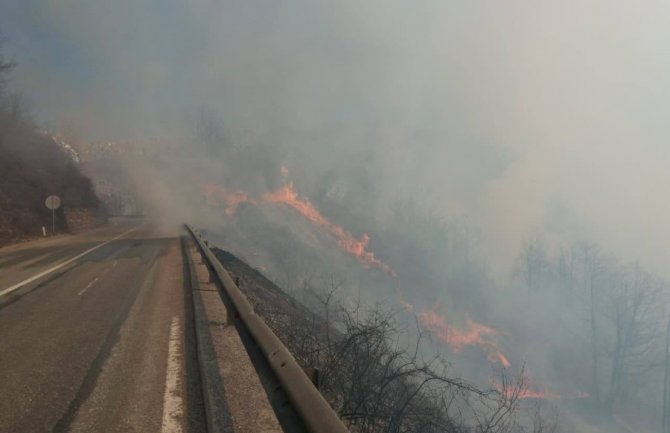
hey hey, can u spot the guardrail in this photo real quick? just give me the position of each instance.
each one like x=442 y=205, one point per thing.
x=312 y=409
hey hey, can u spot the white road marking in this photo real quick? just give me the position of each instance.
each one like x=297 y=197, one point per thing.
x=28 y=263
x=172 y=401
x=81 y=292
x=65 y=263
x=95 y=280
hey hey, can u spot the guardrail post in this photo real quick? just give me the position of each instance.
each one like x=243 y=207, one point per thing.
x=210 y=272
x=313 y=374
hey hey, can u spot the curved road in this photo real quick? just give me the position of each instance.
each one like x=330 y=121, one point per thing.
x=95 y=333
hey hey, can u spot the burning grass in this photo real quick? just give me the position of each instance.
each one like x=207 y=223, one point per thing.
x=372 y=379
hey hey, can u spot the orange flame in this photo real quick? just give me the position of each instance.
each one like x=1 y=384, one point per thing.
x=475 y=334
x=480 y=335
x=529 y=392
x=356 y=247
x=287 y=195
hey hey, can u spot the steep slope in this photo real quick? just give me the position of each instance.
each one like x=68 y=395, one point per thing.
x=32 y=167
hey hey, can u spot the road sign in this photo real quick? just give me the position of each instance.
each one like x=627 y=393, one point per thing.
x=53 y=202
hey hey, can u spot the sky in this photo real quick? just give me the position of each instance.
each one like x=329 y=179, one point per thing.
x=518 y=116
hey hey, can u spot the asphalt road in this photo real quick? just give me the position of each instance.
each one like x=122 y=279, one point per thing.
x=95 y=334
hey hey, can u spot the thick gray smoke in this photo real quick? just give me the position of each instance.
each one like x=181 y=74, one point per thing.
x=515 y=115
x=515 y=119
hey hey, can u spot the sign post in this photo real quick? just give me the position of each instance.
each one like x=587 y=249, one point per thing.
x=53 y=202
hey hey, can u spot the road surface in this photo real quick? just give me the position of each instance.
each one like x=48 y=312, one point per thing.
x=94 y=334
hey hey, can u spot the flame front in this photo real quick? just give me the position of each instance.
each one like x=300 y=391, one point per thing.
x=475 y=334
x=529 y=392
x=349 y=243
x=215 y=194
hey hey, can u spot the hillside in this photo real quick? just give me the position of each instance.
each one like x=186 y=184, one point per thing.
x=32 y=167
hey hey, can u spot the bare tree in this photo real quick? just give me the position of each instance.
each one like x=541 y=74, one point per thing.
x=592 y=270
x=622 y=318
x=634 y=317
x=534 y=264
x=382 y=378
x=10 y=105
x=6 y=67
x=543 y=422
x=666 y=376
x=567 y=269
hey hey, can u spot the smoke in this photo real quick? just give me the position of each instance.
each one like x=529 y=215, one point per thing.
x=510 y=118
x=515 y=115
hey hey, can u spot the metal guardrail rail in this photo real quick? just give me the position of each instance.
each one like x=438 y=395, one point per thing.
x=310 y=406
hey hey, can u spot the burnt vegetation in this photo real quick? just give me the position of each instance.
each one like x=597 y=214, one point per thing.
x=32 y=167
x=377 y=377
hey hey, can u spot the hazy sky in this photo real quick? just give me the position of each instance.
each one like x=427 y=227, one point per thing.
x=514 y=114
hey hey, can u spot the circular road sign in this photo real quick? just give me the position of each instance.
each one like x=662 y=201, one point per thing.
x=52 y=202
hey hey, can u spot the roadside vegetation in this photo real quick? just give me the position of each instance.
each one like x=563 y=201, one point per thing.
x=32 y=167
x=586 y=333
x=376 y=374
